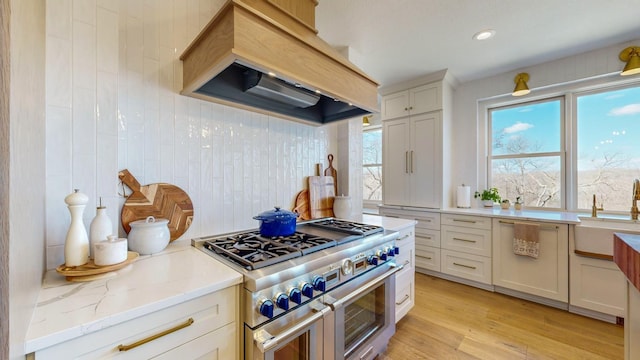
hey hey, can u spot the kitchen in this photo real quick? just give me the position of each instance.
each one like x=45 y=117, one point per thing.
x=119 y=85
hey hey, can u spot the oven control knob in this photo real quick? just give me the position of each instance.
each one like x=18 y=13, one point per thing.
x=295 y=295
x=347 y=267
x=372 y=260
x=266 y=308
x=282 y=301
x=396 y=250
x=382 y=255
x=307 y=290
x=319 y=283
x=390 y=252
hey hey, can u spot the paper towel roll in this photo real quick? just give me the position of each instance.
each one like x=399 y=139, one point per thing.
x=110 y=251
x=463 y=200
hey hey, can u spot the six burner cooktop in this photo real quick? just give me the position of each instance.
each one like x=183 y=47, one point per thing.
x=253 y=251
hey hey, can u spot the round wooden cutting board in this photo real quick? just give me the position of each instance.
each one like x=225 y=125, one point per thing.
x=161 y=200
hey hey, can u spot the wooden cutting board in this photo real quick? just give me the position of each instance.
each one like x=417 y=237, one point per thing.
x=321 y=194
x=161 y=200
x=302 y=205
x=330 y=171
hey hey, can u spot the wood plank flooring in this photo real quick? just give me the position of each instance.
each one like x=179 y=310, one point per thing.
x=455 y=321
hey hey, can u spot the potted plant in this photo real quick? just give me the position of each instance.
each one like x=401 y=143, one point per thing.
x=518 y=204
x=488 y=196
x=505 y=204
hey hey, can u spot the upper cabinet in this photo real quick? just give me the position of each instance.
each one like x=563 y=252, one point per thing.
x=417 y=100
x=416 y=126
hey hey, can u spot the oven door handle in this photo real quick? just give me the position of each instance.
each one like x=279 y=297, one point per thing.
x=266 y=342
x=337 y=304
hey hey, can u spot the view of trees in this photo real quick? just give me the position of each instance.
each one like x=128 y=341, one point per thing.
x=372 y=164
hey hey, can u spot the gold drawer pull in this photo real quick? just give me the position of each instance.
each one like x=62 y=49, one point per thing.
x=465 y=221
x=156 y=336
x=406 y=297
x=425 y=220
x=463 y=265
x=404 y=237
x=467 y=240
x=542 y=226
x=426 y=257
x=406 y=262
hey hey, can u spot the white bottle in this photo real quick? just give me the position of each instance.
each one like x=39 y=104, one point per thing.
x=76 y=245
x=100 y=228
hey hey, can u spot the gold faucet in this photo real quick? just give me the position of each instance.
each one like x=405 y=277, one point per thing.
x=634 y=198
x=594 y=208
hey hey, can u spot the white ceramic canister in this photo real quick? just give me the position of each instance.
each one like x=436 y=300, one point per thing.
x=148 y=236
x=342 y=207
x=111 y=251
x=100 y=228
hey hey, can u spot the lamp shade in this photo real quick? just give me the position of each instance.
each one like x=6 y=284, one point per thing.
x=631 y=56
x=521 y=85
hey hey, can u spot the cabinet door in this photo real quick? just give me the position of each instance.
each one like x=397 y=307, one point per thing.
x=395 y=155
x=425 y=98
x=395 y=105
x=424 y=160
x=547 y=276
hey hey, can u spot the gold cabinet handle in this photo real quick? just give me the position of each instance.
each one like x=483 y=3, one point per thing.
x=156 y=336
x=406 y=262
x=467 y=240
x=411 y=161
x=465 y=221
x=406 y=297
x=404 y=237
x=466 y=266
x=406 y=162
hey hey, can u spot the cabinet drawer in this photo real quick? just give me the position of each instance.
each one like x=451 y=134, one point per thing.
x=468 y=240
x=468 y=266
x=405 y=257
x=427 y=257
x=425 y=219
x=209 y=312
x=219 y=344
x=476 y=222
x=428 y=238
x=404 y=299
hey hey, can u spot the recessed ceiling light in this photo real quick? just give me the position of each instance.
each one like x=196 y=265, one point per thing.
x=484 y=34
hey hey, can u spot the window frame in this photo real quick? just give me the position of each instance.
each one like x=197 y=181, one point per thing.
x=373 y=204
x=561 y=153
x=570 y=91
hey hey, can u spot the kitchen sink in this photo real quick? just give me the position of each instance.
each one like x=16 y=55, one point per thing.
x=595 y=235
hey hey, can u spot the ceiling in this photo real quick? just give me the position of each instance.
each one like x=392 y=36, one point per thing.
x=398 y=40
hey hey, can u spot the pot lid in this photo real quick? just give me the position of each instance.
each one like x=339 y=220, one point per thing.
x=276 y=214
x=150 y=221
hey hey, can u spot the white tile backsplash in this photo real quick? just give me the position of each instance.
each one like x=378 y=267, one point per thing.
x=113 y=82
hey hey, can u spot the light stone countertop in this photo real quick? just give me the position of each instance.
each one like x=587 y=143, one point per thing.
x=562 y=217
x=67 y=310
x=388 y=223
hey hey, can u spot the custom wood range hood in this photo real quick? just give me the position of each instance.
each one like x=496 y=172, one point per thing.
x=265 y=56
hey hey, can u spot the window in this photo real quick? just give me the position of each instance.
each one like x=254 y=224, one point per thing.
x=608 y=147
x=601 y=132
x=526 y=157
x=372 y=165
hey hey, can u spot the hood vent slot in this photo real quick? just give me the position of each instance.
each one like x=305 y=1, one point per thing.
x=227 y=63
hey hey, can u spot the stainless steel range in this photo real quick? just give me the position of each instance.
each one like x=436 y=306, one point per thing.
x=325 y=292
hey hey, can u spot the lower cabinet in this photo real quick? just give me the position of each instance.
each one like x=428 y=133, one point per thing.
x=545 y=277
x=632 y=322
x=466 y=247
x=597 y=285
x=205 y=327
x=405 y=278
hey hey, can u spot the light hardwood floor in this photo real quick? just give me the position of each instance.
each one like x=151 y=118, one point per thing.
x=455 y=321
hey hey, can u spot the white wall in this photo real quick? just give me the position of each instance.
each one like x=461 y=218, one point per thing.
x=468 y=148
x=27 y=168
x=113 y=82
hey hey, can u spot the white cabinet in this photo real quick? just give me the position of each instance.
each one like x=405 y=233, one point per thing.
x=466 y=247
x=427 y=235
x=412 y=158
x=545 y=277
x=204 y=327
x=405 y=278
x=417 y=100
x=632 y=323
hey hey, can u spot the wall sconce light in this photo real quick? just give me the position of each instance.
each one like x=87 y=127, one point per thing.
x=631 y=56
x=365 y=120
x=521 y=85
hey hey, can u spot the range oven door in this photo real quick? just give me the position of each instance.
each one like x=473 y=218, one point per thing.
x=297 y=335
x=363 y=316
